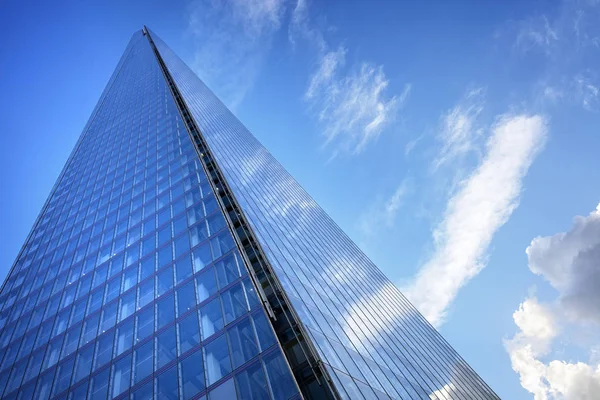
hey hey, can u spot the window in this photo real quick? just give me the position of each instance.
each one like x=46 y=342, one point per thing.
x=165 y=255
x=44 y=384
x=129 y=278
x=35 y=362
x=165 y=310
x=143 y=361
x=198 y=233
x=222 y=244
x=189 y=333
x=53 y=352
x=216 y=356
x=83 y=364
x=195 y=214
x=112 y=289
x=109 y=317
x=166 y=347
x=211 y=318
x=63 y=376
x=206 y=284
x=216 y=222
x=182 y=245
x=186 y=298
x=71 y=341
x=143 y=393
x=147 y=267
x=192 y=375
x=164 y=281
x=90 y=329
x=183 y=268
x=201 y=257
x=243 y=342
x=167 y=384
x=227 y=270
x=252 y=384
x=120 y=376
x=124 y=337
x=179 y=224
x=146 y=293
x=234 y=303
x=250 y=293
x=226 y=390
x=144 y=324
x=278 y=374
x=104 y=347
x=126 y=305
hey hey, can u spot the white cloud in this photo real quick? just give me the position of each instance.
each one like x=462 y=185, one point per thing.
x=586 y=91
x=459 y=130
x=300 y=28
x=482 y=204
x=352 y=105
x=556 y=379
x=232 y=40
x=350 y=101
x=570 y=262
x=535 y=320
x=537 y=33
x=383 y=213
x=565 y=42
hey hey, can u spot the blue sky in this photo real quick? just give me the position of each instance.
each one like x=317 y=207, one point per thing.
x=445 y=138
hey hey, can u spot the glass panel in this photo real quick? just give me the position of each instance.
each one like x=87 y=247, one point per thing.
x=192 y=375
x=252 y=384
x=186 y=298
x=166 y=347
x=143 y=361
x=234 y=303
x=242 y=341
x=218 y=363
x=99 y=386
x=121 y=376
x=206 y=284
x=189 y=333
x=211 y=318
x=144 y=393
x=84 y=363
x=167 y=384
x=226 y=390
x=144 y=324
x=281 y=383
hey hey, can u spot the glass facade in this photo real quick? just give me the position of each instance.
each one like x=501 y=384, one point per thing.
x=135 y=282
x=130 y=284
x=372 y=341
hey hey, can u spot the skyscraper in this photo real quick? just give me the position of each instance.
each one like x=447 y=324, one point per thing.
x=176 y=258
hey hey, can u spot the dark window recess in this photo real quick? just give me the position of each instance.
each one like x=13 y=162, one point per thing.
x=308 y=370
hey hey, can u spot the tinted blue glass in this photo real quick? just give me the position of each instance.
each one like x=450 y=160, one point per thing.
x=192 y=375
x=252 y=384
x=118 y=270
x=372 y=326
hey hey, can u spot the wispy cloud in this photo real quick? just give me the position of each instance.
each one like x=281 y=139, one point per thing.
x=352 y=105
x=569 y=261
x=565 y=41
x=482 y=204
x=232 y=40
x=537 y=33
x=350 y=101
x=383 y=213
x=459 y=131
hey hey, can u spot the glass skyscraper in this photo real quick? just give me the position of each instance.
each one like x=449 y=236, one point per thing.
x=176 y=258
